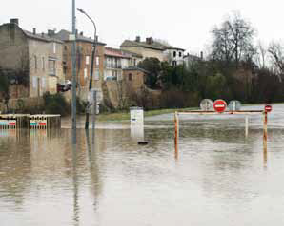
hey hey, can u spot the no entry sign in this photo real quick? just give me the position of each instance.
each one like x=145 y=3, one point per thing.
x=268 y=108
x=219 y=106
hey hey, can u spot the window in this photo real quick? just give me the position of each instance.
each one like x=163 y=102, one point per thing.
x=119 y=75
x=43 y=83
x=97 y=61
x=43 y=63
x=35 y=61
x=87 y=60
x=114 y=75
x=179 y=54
x=34 y=82
x=130 y=77
x=97 y=75
x=134 y=62
x=52 y=67
x=54 y=47
x=174 y=63
x=174 y=53
x=85 y=73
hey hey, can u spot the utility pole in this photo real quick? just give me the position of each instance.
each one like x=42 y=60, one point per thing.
x=91 y=75
x=73 y=59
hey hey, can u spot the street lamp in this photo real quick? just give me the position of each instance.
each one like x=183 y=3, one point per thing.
x=92 y=63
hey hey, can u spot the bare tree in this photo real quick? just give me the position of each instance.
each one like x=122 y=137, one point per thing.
x=233 y=40
x=277 y=53
x=262 y=52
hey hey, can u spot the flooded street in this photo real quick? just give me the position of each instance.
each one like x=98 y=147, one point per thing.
x=220 y=178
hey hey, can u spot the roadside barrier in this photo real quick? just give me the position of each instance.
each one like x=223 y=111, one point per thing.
x=18 y=121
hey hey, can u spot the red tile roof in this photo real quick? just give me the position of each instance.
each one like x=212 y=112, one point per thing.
x=114 y=53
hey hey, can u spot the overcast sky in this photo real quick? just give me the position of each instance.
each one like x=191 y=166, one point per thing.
x=183 y=23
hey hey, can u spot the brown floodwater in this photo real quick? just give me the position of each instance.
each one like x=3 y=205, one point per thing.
x=220 y=178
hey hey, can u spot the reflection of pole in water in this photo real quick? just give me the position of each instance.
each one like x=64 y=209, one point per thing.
x=247 y=126
x=265 y=137
x=93 y=165
x=265 y=155
x=74 y=178
x=137 y=132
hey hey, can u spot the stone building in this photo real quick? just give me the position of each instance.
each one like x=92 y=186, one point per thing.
x=135 y=77
x=34 y=61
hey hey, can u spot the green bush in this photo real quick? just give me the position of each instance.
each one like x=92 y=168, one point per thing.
x=80 y=106
x=56 y=104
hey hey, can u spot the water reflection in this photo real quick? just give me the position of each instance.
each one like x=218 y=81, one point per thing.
x=76 y=210
x=137 y=132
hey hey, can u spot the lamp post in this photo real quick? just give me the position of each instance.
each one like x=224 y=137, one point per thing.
x=92 y=63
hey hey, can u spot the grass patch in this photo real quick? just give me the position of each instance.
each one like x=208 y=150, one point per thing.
x=122 y=116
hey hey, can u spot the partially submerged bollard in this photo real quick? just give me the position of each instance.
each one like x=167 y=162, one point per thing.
x=137 y=124
x=267 y=109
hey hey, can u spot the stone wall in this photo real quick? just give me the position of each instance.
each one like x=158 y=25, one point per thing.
x=27 y=102
x=19 y=91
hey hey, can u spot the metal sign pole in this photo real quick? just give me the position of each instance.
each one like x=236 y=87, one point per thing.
x=247 y=126
x=265 y=136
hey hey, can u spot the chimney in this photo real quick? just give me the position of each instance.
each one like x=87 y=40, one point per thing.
x=137 y=39
x=201 y=55
x=14 y=21
x=149 y=41
x=50 y=32
x=82 y=33
x=34 y=31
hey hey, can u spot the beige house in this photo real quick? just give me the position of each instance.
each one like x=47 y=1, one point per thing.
x=147 y=49
x=34 y=61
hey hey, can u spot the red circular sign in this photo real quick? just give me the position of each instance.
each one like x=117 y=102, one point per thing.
x=219 y=106
x=268 y=108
